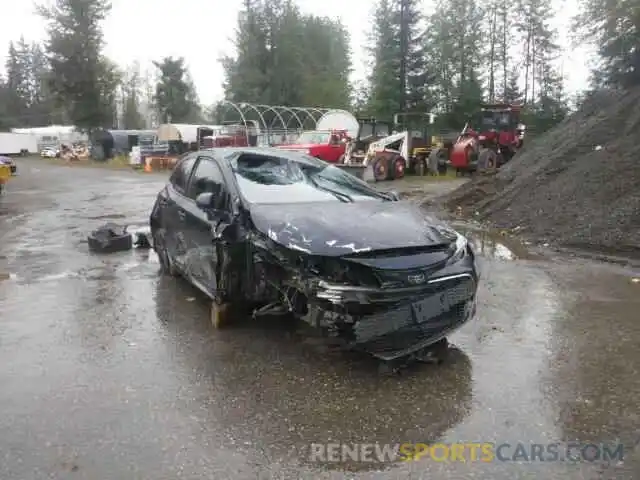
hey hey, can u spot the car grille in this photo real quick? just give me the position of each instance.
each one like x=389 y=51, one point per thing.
x=400 y=278
x=403 y=326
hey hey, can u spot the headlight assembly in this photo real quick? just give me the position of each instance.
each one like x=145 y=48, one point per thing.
x=459 y=244
x=461 y=248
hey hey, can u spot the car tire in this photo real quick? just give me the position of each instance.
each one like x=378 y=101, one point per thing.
x=441 y=349
x=166 y=262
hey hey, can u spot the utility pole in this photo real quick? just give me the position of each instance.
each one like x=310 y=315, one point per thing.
x=404 y=48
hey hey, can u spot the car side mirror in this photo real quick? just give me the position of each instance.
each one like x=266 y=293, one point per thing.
x=205 y=201
x=216 y=201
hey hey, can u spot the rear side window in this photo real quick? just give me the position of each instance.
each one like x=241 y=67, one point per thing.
x=181 y=173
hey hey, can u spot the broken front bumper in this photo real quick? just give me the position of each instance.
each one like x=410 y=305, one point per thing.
x=394 y=323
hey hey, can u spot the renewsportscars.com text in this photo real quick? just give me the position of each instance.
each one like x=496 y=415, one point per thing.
x=466 y=452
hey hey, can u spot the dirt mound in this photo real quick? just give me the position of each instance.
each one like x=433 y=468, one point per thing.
x=577 y=186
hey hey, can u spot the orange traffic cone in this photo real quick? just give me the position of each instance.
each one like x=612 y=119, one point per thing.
x=147 y=165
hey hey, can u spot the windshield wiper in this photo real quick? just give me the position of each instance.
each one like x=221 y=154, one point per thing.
x=343 y=197
x=363 y=191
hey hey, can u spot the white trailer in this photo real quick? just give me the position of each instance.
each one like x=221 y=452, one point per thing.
x=18 y=143
x=54 y=136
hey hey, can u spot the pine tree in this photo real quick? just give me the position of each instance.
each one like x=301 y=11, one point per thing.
x=385 y=84
x=5 y=117
x=17 y=84
x=399 y=78
x=411 y=38
x=615 y=28
x=83 y=82
x=131 y=117
x=327 y=66
x=286 y=58
x=513 y=94
x=175 y=97
x=456 y=44
x=246 y=73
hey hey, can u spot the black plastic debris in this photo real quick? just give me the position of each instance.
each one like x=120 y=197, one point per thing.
x=110 y=238
x=142 y=240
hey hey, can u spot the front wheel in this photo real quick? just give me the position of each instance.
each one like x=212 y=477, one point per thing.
x=487 y=161
x=380 y=171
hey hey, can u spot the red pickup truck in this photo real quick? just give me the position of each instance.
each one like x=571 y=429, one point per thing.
x=328 y=146
x=226 y=136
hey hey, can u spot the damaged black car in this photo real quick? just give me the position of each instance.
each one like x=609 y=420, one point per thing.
x=273 y=231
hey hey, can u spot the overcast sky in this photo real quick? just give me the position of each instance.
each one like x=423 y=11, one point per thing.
x=202 y=30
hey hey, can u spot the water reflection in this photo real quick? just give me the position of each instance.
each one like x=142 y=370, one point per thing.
x=491 y=244
x=277 y=392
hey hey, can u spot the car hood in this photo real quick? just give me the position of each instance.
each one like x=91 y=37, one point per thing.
x=332 y=229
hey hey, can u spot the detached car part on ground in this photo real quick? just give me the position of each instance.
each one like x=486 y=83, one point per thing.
x=266 y=230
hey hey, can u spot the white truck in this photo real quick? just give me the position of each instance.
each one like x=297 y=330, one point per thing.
x=18 y=143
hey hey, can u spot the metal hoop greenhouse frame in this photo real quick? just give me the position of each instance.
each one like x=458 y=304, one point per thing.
x=275 y=118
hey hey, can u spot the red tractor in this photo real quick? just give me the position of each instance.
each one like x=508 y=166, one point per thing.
x=498 y=137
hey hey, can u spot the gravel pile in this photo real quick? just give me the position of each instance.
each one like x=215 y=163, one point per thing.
x=577 y=186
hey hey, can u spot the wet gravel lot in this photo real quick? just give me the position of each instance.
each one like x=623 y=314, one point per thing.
x=110 y=371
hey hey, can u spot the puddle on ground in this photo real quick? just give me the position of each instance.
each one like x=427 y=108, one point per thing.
x=136 y=263
x=60 y=276
x=113 y=216
x=491 y=244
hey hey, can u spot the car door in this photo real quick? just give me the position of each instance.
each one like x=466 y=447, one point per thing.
x=202 y=258
x=173 y=206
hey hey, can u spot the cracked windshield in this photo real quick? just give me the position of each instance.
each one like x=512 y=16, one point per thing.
x=279 y=180
x=336 y=240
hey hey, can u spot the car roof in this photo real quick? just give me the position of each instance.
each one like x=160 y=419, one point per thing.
x=293 y=156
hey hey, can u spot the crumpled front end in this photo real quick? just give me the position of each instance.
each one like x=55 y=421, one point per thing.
x=390 y=323
x=390 y=313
